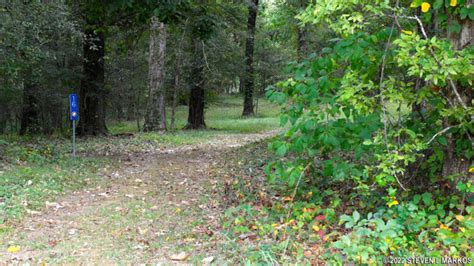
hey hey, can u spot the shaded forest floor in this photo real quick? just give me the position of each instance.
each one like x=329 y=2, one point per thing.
x=152 y=208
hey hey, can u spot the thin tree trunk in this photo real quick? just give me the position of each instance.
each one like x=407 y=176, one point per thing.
x=261 y=90
x=176 y=78
x=175 y=94
x=155 y=118
x=92 y=93
x=249 y=71
x=132 y=93
x=302 y=44
x=196 y=100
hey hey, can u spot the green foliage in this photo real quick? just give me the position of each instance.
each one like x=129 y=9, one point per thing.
x=378 y=110
x=419 y=226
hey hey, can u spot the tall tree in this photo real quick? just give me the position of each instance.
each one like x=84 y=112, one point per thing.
x=155 y=118
x=249 y=73
x=96 y=15
x=92 y=92
x=202 y=21
x=196 y=98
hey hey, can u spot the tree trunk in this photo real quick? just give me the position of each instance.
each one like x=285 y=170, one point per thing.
x=176 y=78
x=196 y=99
x=249 y=75
x=131 y=108
x=92 y=93
x=175 y=94
x=454 y=162
x=155 y=118
x=29 y=113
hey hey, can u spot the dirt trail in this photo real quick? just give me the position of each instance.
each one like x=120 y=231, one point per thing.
x=153 y=206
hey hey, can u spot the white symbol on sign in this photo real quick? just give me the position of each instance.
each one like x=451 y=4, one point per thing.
x=73 y=104
x=73 y=114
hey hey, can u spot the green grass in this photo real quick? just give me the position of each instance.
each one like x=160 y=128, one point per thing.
x=225 y=115
x=35 y=172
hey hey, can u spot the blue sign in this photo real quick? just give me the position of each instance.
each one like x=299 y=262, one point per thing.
x=73 y=107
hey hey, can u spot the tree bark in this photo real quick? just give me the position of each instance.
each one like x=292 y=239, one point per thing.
x=196 y=99
x=249 y=71
x=92 y=93
x=155 y=118
x=454 y=162
x=175 y=94
x=132 y=94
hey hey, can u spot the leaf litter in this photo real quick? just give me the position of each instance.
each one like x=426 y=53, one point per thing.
x=122 y=221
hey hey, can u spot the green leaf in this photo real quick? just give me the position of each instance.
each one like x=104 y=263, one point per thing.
x=437 y=4
x=356 y=216
x=281 y=150
x=426 y=198
x=442 y=140
x=455 y=27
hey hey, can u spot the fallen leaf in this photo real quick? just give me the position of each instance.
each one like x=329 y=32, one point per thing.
x=321 y=234
x=142 y=231
x=104 y=194
x=247 y=235
x=442 y=226
x=207 y=260
x=13 y=249
x=180 y=256
x=320 y=217
x=287 y=199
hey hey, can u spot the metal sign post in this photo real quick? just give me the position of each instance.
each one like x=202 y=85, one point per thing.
x=73 y=116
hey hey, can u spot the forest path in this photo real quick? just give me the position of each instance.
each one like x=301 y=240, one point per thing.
x=151 y=208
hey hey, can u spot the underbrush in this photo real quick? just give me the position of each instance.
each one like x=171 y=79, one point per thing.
x=320 y=221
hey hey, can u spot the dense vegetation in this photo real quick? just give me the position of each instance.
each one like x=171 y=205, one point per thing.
x=376 y=154
x=380 y=135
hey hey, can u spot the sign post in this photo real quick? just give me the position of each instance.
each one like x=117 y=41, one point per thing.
x=73 y=116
